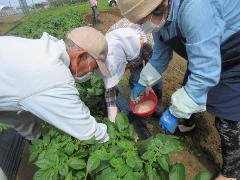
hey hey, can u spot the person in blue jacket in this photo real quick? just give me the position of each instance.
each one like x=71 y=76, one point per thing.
x=207 y=34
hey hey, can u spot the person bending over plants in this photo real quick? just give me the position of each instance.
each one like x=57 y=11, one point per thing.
x=128 y=47
x=38 y=82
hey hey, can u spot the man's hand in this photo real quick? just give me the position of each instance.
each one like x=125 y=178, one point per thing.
x=137 y=92
x=103 y=131
x=105 y=139
x=168 y=122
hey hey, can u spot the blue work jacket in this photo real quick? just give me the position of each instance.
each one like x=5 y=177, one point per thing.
x=205 y=24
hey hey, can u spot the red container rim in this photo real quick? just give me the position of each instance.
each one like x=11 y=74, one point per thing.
x=150 y=96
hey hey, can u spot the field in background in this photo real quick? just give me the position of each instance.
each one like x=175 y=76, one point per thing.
x=8 y=23
x=55 y=21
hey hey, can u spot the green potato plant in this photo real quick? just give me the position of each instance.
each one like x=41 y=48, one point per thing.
x=3 y=127
x=60 y=156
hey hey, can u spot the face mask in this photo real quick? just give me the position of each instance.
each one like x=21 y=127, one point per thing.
x=85 y=77
x=149 y=26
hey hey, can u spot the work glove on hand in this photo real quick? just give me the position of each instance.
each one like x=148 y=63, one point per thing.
x=105 y=136
x=137 y=92
x=168 y=122
x=112 y=113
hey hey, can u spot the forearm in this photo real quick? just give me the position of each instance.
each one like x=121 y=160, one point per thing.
x=162 y=54
x=152 y=72
x=149 y=76
x=62 y=108
x=110 y=97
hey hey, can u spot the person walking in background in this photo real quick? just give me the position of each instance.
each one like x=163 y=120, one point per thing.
x=95 y=12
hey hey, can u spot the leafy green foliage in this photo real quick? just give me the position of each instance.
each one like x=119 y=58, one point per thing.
x=56 y=21
x=3 y=127
x=92 y=94
x=204 y=175
x=60 y=156
x=177 y=172
x=155 y=152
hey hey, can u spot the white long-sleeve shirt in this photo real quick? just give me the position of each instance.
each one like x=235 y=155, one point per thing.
x=35 y=77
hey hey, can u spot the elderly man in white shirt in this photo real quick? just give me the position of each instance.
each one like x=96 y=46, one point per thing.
x=38 y=82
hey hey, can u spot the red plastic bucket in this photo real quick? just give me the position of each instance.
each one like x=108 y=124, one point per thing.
x=150 y=97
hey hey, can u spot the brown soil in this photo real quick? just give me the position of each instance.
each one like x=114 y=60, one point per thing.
x=203 y=150
x=26 y=169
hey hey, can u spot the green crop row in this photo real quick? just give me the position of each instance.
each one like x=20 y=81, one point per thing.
x=56 y=21
x=61 y=157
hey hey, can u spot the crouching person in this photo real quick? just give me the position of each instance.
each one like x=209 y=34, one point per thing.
x=129 y=47
x=38 y=82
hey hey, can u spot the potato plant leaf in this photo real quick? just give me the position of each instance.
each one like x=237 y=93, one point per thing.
x=171 y=145
x=122 y=121
x=76 y=163
x=177 y=172
x=164 y=162
x=69 y=176
x=92 y=163
x=149 y=170
x=122 y=170
x=63 y=170
x=80 y=175
x=43 y=174
x=131 y=159
x=3 y=127
x=204 y=175
x=44 y=163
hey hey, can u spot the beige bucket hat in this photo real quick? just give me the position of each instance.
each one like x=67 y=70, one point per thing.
x=135 y=10
x=92 y=41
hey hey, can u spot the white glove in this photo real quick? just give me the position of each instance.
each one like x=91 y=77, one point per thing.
x=112 y=113
x=183 y=106
x=149 y=76
x=105 y=139
x=102 y=133
x=149 y=90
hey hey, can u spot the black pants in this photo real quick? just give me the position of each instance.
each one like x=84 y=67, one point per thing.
x=230 y=141
x=95 y=14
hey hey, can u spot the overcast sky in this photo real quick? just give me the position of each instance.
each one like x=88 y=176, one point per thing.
x=15 y=2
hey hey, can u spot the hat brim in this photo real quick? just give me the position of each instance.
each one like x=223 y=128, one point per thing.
x=103 y=68
x=142 y=10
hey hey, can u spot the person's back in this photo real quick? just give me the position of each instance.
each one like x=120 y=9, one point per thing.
x=229 y=11
x=25 y=74
x=225 y=14
x=37 y=82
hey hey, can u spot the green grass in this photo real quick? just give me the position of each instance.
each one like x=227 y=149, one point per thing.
x=56 y=21
x=8 y=23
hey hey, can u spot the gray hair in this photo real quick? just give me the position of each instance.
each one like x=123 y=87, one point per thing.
x=72 y=46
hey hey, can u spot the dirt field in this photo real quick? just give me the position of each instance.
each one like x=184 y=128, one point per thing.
x=203 y=150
